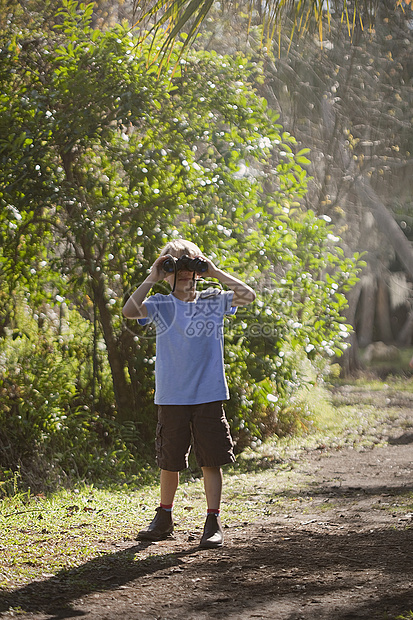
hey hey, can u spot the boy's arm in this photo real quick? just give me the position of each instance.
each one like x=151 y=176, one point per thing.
x=135 y=307
x=243 y=294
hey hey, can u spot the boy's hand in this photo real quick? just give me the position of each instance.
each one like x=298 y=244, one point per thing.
x=243 y=294
x=157 y=273
x=212 y=270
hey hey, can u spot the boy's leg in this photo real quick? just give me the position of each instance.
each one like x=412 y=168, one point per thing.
x=213 y=487
x=169 y=485
x=173 y=438
x=214 y=448
x=162 y=525
x=212 y=536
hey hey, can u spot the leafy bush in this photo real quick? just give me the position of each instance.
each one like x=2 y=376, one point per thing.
x=50 y=430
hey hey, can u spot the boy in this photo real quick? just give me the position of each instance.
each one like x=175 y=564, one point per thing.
x=189 y=377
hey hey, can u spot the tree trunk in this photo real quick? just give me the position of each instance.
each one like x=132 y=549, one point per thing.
x=386 y=223
x=404 y=337
x=368 y=197
x=367 y=310
x=122 y=389
x=349 y=361
x=383 y=313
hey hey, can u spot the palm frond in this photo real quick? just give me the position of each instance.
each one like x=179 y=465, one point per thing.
x=177 y=16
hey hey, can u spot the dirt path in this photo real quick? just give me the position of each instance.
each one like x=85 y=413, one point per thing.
x=337 y=544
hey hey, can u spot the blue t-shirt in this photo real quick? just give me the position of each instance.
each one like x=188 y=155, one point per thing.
x=189 y=365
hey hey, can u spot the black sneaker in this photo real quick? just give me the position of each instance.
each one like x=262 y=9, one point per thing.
x=213 y=535
x=161 y=526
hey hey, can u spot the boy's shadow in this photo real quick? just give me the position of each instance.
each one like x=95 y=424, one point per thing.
x=54 y=595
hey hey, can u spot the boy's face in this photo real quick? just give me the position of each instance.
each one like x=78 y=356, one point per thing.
x=185 y=281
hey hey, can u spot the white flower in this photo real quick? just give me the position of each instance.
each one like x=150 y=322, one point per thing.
x=264 y=143
x=333 y=237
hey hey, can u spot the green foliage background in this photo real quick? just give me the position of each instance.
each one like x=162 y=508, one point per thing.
x=103 y=160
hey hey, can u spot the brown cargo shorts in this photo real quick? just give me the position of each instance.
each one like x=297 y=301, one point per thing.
x=203 y=427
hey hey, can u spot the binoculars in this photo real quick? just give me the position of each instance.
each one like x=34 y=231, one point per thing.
x=184 y=263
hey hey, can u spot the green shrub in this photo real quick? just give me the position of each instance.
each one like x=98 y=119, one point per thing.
x=51 y=431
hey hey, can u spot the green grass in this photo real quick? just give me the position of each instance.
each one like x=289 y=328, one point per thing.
x=40 y=536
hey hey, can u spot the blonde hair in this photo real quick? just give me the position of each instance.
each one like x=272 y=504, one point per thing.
x=179 y=247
